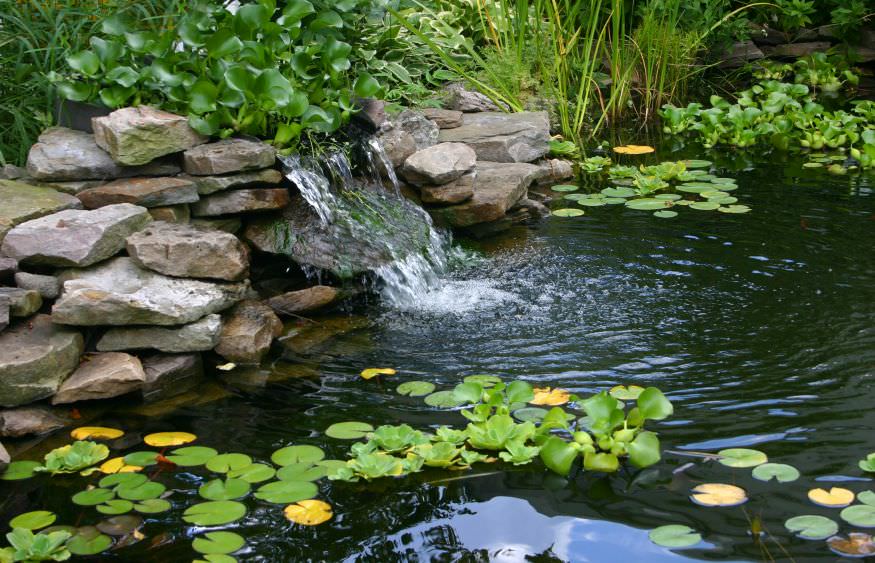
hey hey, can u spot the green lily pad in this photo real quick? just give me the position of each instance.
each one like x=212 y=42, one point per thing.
x=331 y=465
x=301 y=472
x=214 y=513
x=648 y=204
x=615 y=200
x=253 y=473
x=145 y=491
x=116 y=506
x=297 y=454
x=695 y=187
x=153 y=506
x=812 y=527
x=88 y=541
x=714 y=194
x=218 y=542
x=665 y=214
x=695 y=163
x=781 y=472
x=443 y=399
x=742 y=457
x=568 y=212
x=564 y=188
x=485 y=381
x=415 y=388
x=867 y=497
x=667 y=197
x=229 y=489
x=618 y=192
x=224 y=463
x=704 y=205
x=573 y=197
x=735 y=209
x=93 y=497
x=216 y=558
x=33 y=520
x=592 y=202
x=352 y=430
x=860 y=515
x=813 y=165
x=722 y=180
x=534 y=414
x=728 y=200
x=192 y=456
x=674 y=535
x=123 y=480
x=287 y=492
x=141 y=459
x=18 y=470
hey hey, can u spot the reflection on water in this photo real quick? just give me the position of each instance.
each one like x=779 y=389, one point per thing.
x=759 y=327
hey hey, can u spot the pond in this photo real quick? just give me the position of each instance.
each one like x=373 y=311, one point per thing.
x=759 y=328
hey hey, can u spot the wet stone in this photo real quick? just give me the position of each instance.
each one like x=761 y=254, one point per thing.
x=170 y=375
x=248 y=331
x=304 y=300
x=439 y=164
x=29 y=421
x=503 y=137
x=210 y=184
x=198 y=336
x=241 y=201
x=102 y=376
x=146 y=192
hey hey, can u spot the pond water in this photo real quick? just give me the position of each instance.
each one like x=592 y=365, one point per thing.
x=759 y=327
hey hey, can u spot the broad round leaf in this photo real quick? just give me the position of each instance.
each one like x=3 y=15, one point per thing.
x=96 y=433
x=308 y=512
x=18 y=470
x=665 y=214
x=485 y=381
x=254 y=473
x=229 y=489
x=227 y=462
x=167 y=439
x=734 y=209
x=141 y=459
x=33 y=520
x=674 y=535
x=623 y=393
x=648 y=204
x=118 y=465
x=415 y=388
x=152 y=506
x=812 y=527
x=218 y=542
x=779 y=471
x=93 y=497
x=283 y=492
x=442 y=399
x=705 y=205
x=742 y=457
x=618 y=192
x=564 y=188
x=568 y=212
x=145 y=491
x=836 y=497
x=558 y=455
x=192 y=456
x=866 y=497
x=856 y=545
x=214 y=513
x=860 y=515
x=653 y=405
x=123 y=480
x=297 y=454
x=116 y=506
x=349 y=430
x=718 y=494
x=694 y=163
x=301 y=472
x=88 y=541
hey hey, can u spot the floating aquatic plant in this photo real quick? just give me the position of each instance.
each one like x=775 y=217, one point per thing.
x=73 y=457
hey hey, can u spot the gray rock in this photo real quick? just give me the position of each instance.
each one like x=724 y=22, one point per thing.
x=138 y=135
x=118 y=292
x=102 y=376
x=189 y=252
x=171 y=213
x=503 y=137
x=36 y=355
x=371 y=113
x=405 y=134
x=739 y=54
x=304 y=300
x=47 y=286
x=468 y=101
x=75 y=237
x=228 y=155
x=248 y=331
x=241 y=201
x=12 y=172
x=439 y=164
x=22 y=202
x=211 y=184
x=498 y=187
x=796 y=50
x=169 y=375
x=554 y=170
x=73 y=188
x=5 y=458
x=4 y=312
x=227 y=224
x=528 y=211
x=64 y=155
x=147 y=192
x=444 y=118
x=29 y=421
x=456 y=191
x=22 y=302
x=198 y=336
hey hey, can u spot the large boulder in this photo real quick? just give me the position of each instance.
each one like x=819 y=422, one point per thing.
x=36 y=355
x=169 y=375
x=241 y=201
x=75 y=237
x=456 y=191
x=48 y=287
x=22 y=302
x=138 y=135
x=503 y=137
x=498 y=187
x=147 y=192
x=247 y=333
x=189 y=252
x=405 y=134
x=211 y=184
x=229 y=155
x=102 y=376
x=29 y=421
x=198 y=336
x=23 y=202
x=439 y=164
x=118 y=292
x=304 y=300
x=64 y=155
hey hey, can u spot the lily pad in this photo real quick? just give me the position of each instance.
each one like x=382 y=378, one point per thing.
x=153 y=506
x=253 y=473
x=371 y=373
x=727 y=200
x=857 y=544
x=573 y=197
x=564 y=188
x=704 y=205
x=214 y=513
x=229 y=489
x=615 y=200
x=866 y=497
x=167 y=439
x=665 y=214
x=860 y=515
x=568 y=212
x=812 y=527
x=648 y=204
x=301 y=472
x=714 y=194
x=218 y=542
x=96 y=433
x=141 y=459
x=696 y=163
x=742 y=457
x=695 y=187
x=718 y=494
x=415 y=388
x=146 y=491
x=93 y=497
x=549 y=396
x=123 y=480
x=618 y=192
x=297 y=454
x=88 y=541
x=781 y=472
x=192 y=456
x=813 y=165
x=309 y=512
x=331 y=465
x=667 y=197
x=35 y=520
x=836 y=497
x=634 y=149
x=18 y=470
x=120 y=525
x=443 y=399
x=592 y=202
x=224 y=463
x=118 y=465
x=216 y=558
x=116 y=506
x=534 y=414
x=284 y=492
x=674 y=535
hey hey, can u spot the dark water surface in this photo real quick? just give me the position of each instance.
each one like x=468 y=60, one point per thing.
x=759 y=327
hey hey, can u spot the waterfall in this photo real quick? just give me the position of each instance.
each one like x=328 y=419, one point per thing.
x=413 y=254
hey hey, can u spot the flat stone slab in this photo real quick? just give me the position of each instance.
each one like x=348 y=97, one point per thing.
x=65 y=155
x=23 y=202
x=456 y=191
x=36 y=355
x=169 y=375
x=198 y=336
x=498 y=187
x=464 y=100
x=190 y=252
x=228 y=155
x=304 y=300
x=210 y=184
x=118 y=292
x=147 y=192
x=75 y=237
x=102 y=376
x=47 y=286
x=248 y=331
x=444 y=118
x=241 y=201
x=139 y=135
x=22 y=302
x=503 y=137
x=439 y=164
x=29 y=421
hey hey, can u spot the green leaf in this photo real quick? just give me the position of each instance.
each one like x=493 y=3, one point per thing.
x=227 y=462
x=812 y=527
x=350 y=430
x=445 y=399
x=860 y=515
x=780 y=472
x=190 y=34
x=272 y=89
x=224 y=43
x=301 y=472
x=415 y=388
x=109 y=52
x=192 y=456
x=116 y=506
x=251 y=17
x=18 y=470
x=123 y=75
x=85 y=62
x=534 y=414
x=654 y=405
x=115 y=96
x=214 y=513
x=93 y=497
x=229 y=489
x=297 y=454
x=286 y=492
x=240 y=78
x=519 y=392
x=114 y=25
x=644 y=450
x=123 y=480
x=674 y=535
x=366 y=86
x=163 y=73
x=152 y=506
x=326 y=19
x=146 y=491
x=468 y=393
x=218 y=542
x=600 y=462
x=74 y=91
x=742 y=457
x=203 y=97
x=294 y=11
x=35 y=520
x=558 y=455
x=88 y=541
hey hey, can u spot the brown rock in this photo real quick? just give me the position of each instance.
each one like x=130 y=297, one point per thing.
x=171 y=213
x=211 y=184
x=139 y=135
x=228 y=155
x=248 y=332
x=28 y=421
x=241 y=201
x=304 y=300
x=439 y=164
x=444 y=118
x=146 y=192
x=456 y=191
x=169 y=375
x=104 y=376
